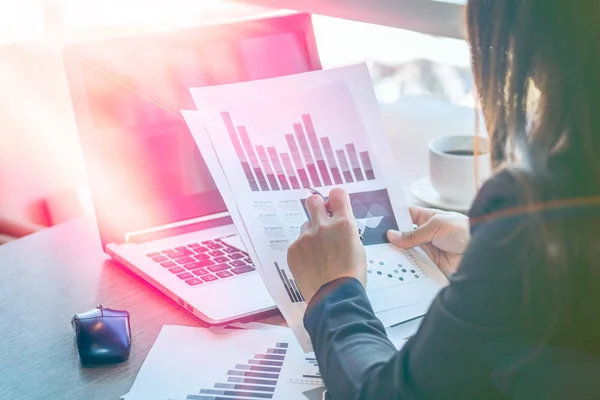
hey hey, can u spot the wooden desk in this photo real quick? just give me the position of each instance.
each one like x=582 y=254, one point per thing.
x=46 y=278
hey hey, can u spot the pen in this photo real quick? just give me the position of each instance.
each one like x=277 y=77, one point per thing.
x=316 y=192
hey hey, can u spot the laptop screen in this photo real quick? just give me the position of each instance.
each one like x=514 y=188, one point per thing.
x=143 y=165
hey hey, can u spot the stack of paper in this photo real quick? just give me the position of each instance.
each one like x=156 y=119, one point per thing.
x=265 y=141
x=252 y=361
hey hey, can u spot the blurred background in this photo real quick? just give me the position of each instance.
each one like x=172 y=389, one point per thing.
x=42 y=177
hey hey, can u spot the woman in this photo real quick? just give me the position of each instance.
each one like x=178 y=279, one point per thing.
x=520 y=316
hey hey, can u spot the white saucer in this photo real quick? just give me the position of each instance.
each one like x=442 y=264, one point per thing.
x=424 y=192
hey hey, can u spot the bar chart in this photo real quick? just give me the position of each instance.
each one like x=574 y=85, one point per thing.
x=308 y=160
x=313 y=362
x=256 y=379
x=289 y=285
x=307 y=372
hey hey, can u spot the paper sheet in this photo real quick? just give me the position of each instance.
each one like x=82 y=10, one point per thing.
x=265 y=141
x=174 y=340
x=399 y=334
x=188 y=363
x=254 y=325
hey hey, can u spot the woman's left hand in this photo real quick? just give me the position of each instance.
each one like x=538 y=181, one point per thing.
x=329 y=247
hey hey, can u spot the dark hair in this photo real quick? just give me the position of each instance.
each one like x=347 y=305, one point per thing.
x=536 y=65
x=520 y=45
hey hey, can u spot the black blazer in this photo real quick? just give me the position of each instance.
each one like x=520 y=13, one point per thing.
x=490 y=334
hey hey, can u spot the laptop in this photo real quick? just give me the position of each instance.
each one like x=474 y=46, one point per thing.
x=158 y=210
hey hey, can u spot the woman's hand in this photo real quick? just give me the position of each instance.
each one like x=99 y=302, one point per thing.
x=329 y=247
x=443 y=235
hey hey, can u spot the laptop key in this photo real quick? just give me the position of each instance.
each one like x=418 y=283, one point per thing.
x=214 y=246
x=209 y=278
x=200 y=264
x=185 y=275
x=249 y=261
x=200 y=272
x=201 y=249
x=221 y=259
x=185 y=260
x=153 y=254
x=177 y=270
x=242 y=270
x=230 y=250
x=180 y=253
x=180 y=248
x=224 y=274
x=202 y=256
x=168 y=264
x=194 y=281
x=219 y=267
x=193 y=245
x=160 y=259
x=237 y=263
x=175 y=256
x=236 y=256
x=216 y=253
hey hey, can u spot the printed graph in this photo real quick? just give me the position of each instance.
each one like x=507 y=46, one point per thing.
x=309 y=160
x=374 y=215
x=316 y=374
x=289 y=285
x=309 y=374
x=257 y=379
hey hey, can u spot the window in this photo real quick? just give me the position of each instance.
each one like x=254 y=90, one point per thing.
x=413 y=47
x=21 y=20
x=82 y=16
x=433 y=17
x=29 y=21
x=401 y=62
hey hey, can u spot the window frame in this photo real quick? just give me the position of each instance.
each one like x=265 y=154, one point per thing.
x=432 y=17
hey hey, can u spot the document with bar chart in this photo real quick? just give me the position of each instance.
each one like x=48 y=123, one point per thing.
x=274 y=138
x=187 y=363
x=308 y=160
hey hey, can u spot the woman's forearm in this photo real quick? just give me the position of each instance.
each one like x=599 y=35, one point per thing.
x=356 y=358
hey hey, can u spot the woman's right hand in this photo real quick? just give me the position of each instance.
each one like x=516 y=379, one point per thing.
x=443 y=235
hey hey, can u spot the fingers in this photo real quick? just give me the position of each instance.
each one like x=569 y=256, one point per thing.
x=421 y=215
x=315 y=205
x=339 y=203
x=423 y=234
x=304 y=227
x=432 y=252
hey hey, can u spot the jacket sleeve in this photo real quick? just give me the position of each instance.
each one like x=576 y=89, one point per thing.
x=461 y=342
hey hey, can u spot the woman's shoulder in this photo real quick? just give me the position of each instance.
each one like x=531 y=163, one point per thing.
x=501 y=195
x=503 y=235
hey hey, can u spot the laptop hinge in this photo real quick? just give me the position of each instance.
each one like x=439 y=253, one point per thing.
x=179 y=228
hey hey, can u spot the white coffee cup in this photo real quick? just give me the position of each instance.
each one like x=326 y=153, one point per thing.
x=452 y=166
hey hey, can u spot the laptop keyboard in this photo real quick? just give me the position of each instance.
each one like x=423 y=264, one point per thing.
x=203 y=262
